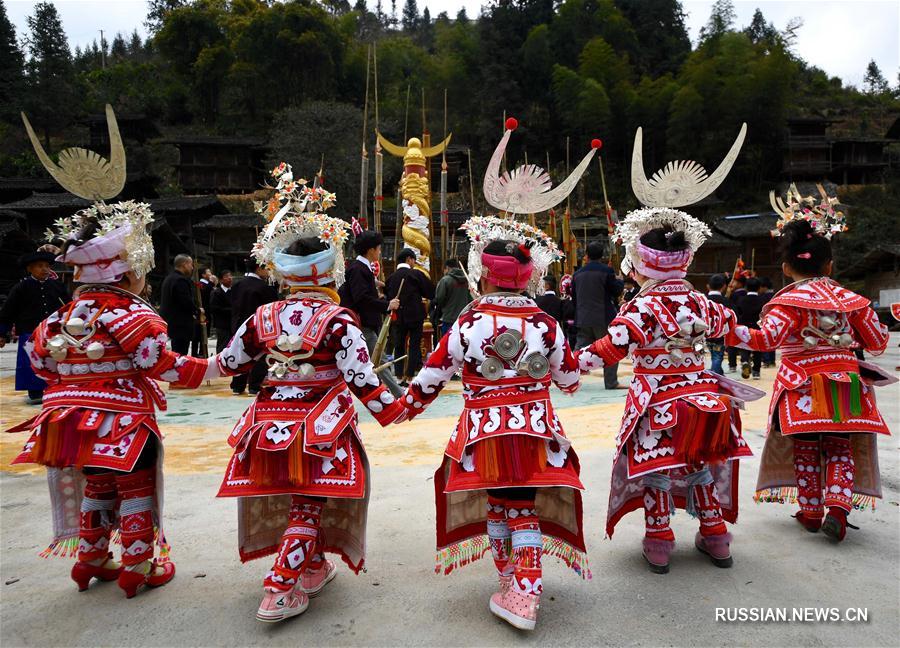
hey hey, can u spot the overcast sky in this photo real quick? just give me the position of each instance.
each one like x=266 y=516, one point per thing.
x=839 y=36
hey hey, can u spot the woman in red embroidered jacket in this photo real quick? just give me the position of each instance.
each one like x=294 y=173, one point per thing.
x=509 y=482
x=97 y=432
x=681 y=430
x=299 y=467
x=823 y=416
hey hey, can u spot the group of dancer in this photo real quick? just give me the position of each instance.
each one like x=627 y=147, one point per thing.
x=509 y=483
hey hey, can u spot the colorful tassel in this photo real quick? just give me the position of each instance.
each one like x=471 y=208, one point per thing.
x=702 y=437
x=835 y=402
x=296 y=461
x=788 y=495
x=855 y=395
x=471 y=549
x=511 y=458
x=819 y=396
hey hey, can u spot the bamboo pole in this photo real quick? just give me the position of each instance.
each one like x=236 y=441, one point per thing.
x=378 y=194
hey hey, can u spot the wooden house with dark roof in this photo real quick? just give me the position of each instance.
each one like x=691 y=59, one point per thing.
x=231 y=236
x=41 y=209
x=13 y=189
x=226 y=165
x=757 y=247
x=876 y=275
x=807 y=150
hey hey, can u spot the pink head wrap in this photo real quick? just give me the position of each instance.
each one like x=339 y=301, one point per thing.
x=658 y=264
x=98 y=260
x=506 y=271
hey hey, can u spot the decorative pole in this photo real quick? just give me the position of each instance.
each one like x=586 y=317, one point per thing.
x=445 y=216
x=379 y=157
x=567 y=223
x=364 y=162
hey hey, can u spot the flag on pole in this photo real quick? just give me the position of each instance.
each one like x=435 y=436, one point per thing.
x=356 y=227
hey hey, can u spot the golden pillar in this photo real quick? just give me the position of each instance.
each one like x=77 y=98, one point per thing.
x=415 y=193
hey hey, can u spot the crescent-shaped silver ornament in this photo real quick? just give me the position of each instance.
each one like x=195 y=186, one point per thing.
x=680 y=183
x=526 y=189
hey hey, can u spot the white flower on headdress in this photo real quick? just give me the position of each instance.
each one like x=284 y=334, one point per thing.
x=300 y=210
x=138 y=216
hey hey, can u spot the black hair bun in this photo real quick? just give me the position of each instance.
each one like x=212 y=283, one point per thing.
x=665 y=239
x=521 y=252
x=306 y=246
x=803 y=248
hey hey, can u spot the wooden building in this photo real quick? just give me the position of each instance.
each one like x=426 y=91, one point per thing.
x=227 y=165
x=877 y=276
x=807 y=152
x=14 y=242
x=858 y=160
x=757 y=247
x=231 y=236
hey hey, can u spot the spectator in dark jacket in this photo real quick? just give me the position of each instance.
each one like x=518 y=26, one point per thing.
x=550 y=302
x=220 y=310
x=205 y=286
x=360 y=294
x=248 y=294
x=715 y=286
x=748 y=307
x=452 y=294
x=416 y=287
x=178 y=305
x=736 y=290
x=595 y=292
x=30 y=302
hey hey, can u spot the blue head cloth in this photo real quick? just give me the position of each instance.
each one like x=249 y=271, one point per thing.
x=311 y=270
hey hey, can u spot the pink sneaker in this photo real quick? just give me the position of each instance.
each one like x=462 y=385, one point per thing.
x=278 y=606
x=314 y=581
x=517 y=609
x=505 y=582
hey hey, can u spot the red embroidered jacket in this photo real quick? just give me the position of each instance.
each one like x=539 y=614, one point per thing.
x=663 y=329
x=317 y=356
x=514 y=403
x=134 y=355
x=816 y=323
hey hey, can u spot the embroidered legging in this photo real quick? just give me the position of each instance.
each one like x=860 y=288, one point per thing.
x=514 y=530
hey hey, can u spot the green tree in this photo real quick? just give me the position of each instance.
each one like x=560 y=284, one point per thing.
x=158 y=11
x=759 y=31
x=664 y=39
x=721 y=20
x=874 y=81
x=51 y=81
x=12 y=69
x=302 y=134
x=410 y=18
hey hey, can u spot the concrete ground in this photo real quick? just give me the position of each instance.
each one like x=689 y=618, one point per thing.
x=400 y=601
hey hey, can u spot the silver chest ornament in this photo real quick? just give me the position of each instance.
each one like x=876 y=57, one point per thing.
x=827 y=332
x=75 y=335
x=280 y=365
x=509 y=348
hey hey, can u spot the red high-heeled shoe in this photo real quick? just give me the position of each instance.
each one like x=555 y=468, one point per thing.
x=131 y=581
x=83 y=572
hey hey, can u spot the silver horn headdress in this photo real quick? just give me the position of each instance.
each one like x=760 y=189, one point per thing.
x=121 y=241
x=526 y=189
x=85 y=173
x=678 y=184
